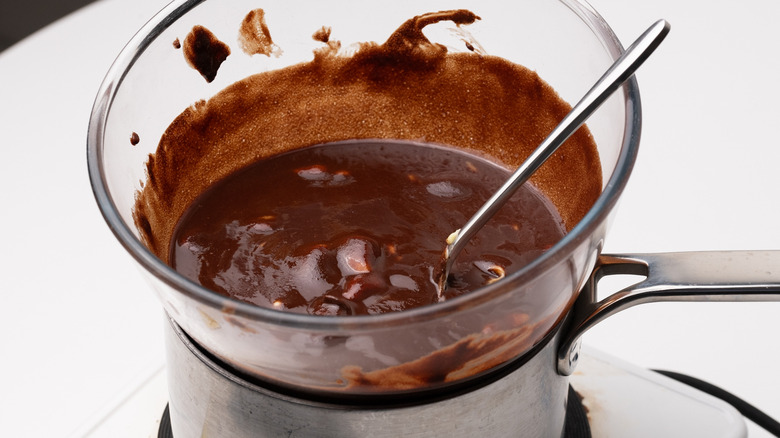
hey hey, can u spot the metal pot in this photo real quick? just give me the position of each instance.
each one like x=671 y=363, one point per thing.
x=208 y=398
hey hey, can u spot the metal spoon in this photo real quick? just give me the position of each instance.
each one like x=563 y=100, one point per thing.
x=622 y=69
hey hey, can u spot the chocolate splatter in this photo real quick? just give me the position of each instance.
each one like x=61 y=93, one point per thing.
x=204 y=52
x=176 y=44
x=134 y=139
x=322 y=34
x=254 y=36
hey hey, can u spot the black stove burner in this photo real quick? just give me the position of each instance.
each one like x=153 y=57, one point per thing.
x=576 y=419
x=165 y=431
x=576 y=425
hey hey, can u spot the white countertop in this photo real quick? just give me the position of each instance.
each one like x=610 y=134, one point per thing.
x=81 y=330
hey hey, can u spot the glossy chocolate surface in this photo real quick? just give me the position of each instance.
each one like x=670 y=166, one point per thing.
x=356 y=228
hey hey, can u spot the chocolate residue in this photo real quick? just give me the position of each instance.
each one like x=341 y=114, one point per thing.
x=240 y=325
x=407 y=88
x=322 y=34
x=254 y=36
x=468 y=357
x=134 y=139
x=176 y=44
x=204 y=52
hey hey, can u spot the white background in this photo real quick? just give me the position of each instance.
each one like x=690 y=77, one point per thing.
x=80 y=330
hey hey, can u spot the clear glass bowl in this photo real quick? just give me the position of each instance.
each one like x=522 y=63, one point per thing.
x=566 y=42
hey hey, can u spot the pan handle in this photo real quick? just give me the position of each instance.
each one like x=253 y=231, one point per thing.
x=683 y=276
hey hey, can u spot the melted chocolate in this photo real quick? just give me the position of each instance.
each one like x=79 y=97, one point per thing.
x=134 y=138
x=356 y=228
x=204 y=52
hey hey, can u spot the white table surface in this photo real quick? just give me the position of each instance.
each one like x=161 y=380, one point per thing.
x=80 y=330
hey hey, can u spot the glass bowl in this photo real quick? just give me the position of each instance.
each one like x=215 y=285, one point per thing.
x=566 y=42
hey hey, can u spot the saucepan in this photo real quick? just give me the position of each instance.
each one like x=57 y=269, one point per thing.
x=422 y=356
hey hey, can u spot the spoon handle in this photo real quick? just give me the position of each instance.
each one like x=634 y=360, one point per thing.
x=619 y=72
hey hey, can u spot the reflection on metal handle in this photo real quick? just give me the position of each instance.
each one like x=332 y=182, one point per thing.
x=691 y=276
